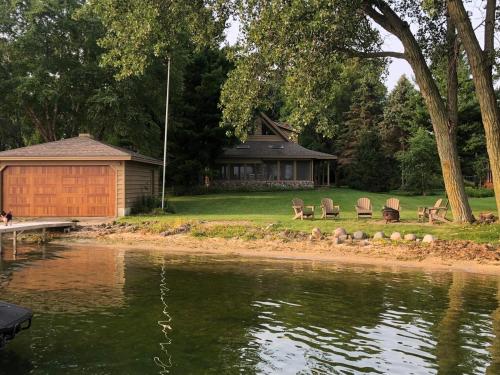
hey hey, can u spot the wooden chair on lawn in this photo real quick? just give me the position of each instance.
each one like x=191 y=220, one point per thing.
x=423 y=212
x=328 y=209
x=393 y=203
x=438 y=214
x=302 y=211
x=364 y=208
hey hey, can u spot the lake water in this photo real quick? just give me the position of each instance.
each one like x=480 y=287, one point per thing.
x=116 y=311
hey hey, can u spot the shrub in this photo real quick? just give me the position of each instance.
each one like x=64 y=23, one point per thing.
x=145 y=204
x=479 y=192
x=214 y=189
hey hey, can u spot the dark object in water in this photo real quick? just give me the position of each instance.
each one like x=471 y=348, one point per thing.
x=390 y=214
x=13 y=319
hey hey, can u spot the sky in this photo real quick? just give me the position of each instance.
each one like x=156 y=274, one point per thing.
x=397 y=67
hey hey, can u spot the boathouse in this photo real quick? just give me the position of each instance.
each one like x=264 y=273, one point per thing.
x=75 y=177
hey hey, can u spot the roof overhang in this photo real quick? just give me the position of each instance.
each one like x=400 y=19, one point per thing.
x=82 y=158
x=233 y=158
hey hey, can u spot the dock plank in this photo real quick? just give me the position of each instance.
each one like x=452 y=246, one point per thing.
x=34 y=225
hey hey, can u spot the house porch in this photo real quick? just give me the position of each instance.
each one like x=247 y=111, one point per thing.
x=297 y=174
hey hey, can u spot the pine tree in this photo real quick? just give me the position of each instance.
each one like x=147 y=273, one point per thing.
x=404 y=112
x=370 y=169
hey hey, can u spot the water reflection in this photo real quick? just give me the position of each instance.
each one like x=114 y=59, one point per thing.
x=352 y=332
x=494 y=367
x=165 y=361
x=449 y=345
x=73 y=283
x=111 y=311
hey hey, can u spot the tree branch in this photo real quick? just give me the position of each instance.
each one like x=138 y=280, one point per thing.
x=375 y=54
x=38 y=124
x=378 y=17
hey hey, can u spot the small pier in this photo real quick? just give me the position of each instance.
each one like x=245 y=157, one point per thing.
x=21 y=227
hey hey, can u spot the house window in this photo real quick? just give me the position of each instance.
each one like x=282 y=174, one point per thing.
x=224 y=172
x=286 y=170
x=250 y=172
x=259 y=172
x=266 y=130
x=304 y=170
x=239 y=172
x=271 y=170
x=235 y=172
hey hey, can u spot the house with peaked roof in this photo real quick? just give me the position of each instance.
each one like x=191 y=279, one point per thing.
x=75 y=177
x=271 y=156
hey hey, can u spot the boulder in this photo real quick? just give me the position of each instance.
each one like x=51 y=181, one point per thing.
x=359 y=235
x=316 y=234
x=170 y=232
x=379 y=236
x=428 y=238
x=339 y=232
x=396 y=236
x=343 y=238
x=410 y=237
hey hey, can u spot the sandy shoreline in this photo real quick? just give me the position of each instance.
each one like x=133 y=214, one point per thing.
x=435 y=257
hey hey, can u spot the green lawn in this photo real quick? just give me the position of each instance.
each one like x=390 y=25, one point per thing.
x=263 y=208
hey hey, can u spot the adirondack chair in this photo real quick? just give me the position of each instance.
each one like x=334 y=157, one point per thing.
x=423 y=212
x=438 y=214
x=393 y=203
x=328 y=209
x=364 y=208
x=302 y=211
x=391 y=210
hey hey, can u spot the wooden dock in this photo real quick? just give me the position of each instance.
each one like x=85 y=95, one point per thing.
x=21 y=227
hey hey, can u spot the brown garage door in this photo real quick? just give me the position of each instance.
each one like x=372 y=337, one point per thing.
x=59 y=190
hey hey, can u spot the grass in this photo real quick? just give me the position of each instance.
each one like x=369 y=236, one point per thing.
x=259 y=209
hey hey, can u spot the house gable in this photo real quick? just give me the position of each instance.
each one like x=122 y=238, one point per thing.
x=270 y=131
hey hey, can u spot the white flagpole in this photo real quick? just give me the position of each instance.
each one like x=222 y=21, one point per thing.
x=166 y=137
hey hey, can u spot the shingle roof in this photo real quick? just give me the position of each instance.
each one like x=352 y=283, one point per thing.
x=273 y=150
x=77 y=148
x=285 y=126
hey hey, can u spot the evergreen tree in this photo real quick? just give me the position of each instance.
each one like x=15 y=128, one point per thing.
x=197 y=139
x=370 y=168
x=420 y=163
x=360 y=129
x=404 y=112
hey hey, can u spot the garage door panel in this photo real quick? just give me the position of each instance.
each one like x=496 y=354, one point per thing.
x=73 y=211
x=59 y=190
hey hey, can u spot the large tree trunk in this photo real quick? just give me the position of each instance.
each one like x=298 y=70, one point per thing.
x=448 y=344
x=443 y=126
x=452 y=76
x=480 y=62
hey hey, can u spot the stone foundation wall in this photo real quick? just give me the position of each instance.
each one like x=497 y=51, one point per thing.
x=252 y=185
